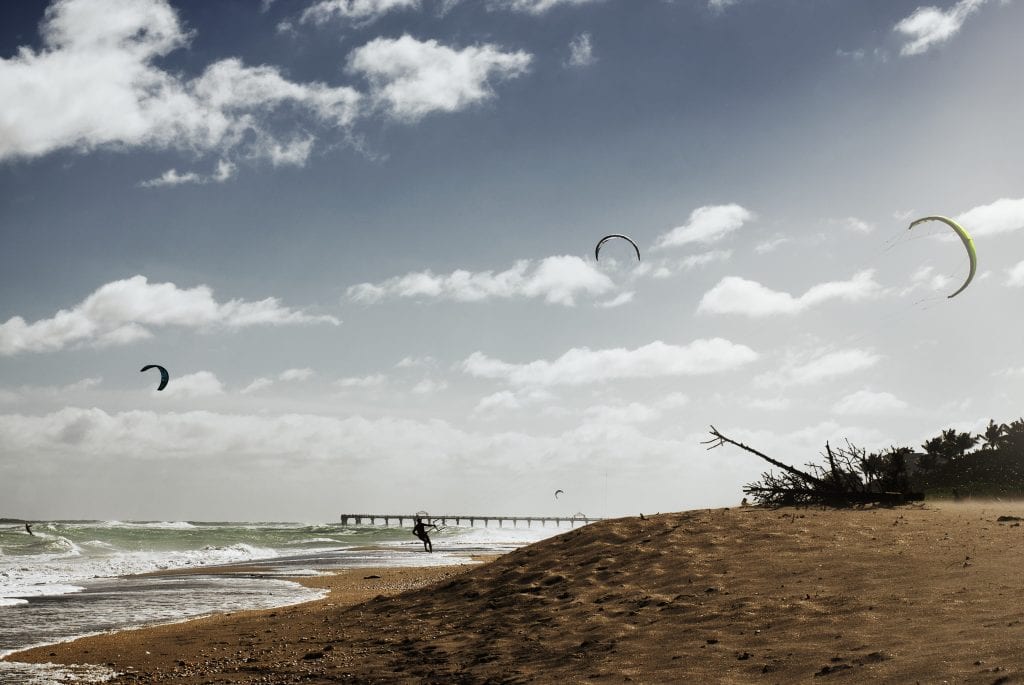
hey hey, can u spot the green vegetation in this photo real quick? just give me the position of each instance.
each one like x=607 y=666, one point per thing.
x=989 y=464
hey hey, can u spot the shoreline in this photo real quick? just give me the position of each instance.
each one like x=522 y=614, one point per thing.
x=742 y=595
x=132 y=650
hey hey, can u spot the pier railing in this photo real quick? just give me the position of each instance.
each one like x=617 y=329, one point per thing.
x=472 y=519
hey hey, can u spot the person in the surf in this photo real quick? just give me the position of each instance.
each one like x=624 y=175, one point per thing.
x=420 y=531
x=28 y=529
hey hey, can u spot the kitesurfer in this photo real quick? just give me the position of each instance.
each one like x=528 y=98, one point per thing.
x=420 y=531
x=28 y=529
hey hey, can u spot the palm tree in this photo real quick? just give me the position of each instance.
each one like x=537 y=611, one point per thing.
x=993 y=435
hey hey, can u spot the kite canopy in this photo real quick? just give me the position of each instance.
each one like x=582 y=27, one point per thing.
x=964 y=236
x=164 y=376
x=557 y=493
x=597 y=249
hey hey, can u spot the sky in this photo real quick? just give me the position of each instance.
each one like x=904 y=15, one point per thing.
x=359 y=234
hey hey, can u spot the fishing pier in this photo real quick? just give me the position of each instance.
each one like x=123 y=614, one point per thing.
x=472 y=519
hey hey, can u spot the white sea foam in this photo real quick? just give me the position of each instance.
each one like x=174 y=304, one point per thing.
x=49 y=573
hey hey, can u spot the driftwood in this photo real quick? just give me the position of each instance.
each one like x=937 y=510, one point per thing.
x=853 y=477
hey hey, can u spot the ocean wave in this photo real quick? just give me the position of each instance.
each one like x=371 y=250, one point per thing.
x=313 y=541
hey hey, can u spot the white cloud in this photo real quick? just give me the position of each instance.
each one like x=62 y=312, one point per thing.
x=808 y=368
x=707 y=224
x=428 y=386
x=511 y=400
x=1015 y=275
x=720 y=5
x=198 y=384
x=868 y=402
x=929 y=26
x=360 y=12
x=735 y=295
x=534 y=6
x=296 y=374
x=171 y=177
x=636 y=412
x=120 y=312
x=705 y=258
x=257 y=384
x=769 y=403
x=856 y=225
x=581 y=51
x=617 y=301
x=410 y=78
x=371 y=381
x=1002 y=216
x=49 y=392
x=94 y=83
x=559 y=280
x=925 y=277
x=771 y=244
x=582 y=365
x=285 y=376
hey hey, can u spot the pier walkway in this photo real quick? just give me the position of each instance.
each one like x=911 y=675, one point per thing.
x=473 y=519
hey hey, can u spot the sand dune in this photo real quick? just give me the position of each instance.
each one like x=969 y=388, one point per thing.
x=722 y=596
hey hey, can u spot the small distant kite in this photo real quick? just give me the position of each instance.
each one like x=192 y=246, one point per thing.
x=597 y=249
x=164 y=376
x=964 y=236
x=557 y=492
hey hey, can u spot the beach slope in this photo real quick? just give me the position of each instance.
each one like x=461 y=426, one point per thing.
x=720 y=596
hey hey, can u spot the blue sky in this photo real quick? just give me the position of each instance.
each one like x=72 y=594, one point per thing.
x=359 y=233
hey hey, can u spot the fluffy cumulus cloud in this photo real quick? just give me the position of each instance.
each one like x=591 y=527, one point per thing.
x=582 y=365
x=410 y=78
x=707 y=224
x=735 y=295
x=869 y=402
x=296 y=374
x=355 y=11
x=95 y=81
x=1002 y=216
x=559 y=280
x=581 y=51
x=124 y=311
x=930 y=26
x=198 y=384
x=808 y=368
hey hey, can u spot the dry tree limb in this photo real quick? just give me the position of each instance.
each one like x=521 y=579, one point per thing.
x=718 y=440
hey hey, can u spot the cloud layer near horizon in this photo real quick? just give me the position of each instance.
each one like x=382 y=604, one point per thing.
x=123 y=311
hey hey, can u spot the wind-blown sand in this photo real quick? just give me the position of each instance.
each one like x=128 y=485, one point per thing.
x=723 y=596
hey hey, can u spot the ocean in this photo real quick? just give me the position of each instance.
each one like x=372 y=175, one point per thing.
x=75 y=578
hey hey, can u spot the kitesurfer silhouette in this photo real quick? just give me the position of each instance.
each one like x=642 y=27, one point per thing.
x=28 y=529
x=420 y=531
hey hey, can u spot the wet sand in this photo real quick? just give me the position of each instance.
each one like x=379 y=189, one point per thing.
x=722 y=596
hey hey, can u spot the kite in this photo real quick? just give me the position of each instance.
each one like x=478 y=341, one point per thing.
x=964 y=236
x=164 y=376
x=597 y=249
x=559 y=491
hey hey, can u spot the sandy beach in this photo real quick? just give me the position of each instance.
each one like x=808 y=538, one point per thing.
x=738 y=595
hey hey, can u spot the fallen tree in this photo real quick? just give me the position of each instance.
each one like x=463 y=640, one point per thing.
x=850 y=476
